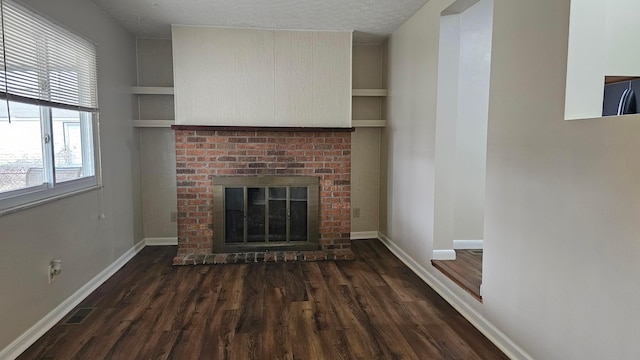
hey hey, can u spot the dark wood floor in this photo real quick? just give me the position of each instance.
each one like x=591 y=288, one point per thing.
x=465 y=270
x=371 y=308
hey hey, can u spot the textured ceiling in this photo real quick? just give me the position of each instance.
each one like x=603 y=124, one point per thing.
x=372 y=20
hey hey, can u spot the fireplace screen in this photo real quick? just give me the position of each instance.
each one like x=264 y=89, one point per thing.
x=273 y=212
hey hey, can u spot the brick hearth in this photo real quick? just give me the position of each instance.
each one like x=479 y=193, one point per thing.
x=206 y=152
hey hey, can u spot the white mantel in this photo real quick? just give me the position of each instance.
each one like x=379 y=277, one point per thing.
x=241 y=77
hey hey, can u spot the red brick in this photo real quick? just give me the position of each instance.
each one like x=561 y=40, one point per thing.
x=324 y=154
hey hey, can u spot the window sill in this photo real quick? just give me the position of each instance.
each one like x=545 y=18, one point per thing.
x=46 y=200
x=610 y=117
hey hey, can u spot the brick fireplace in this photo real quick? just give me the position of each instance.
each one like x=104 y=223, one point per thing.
x=204 y=153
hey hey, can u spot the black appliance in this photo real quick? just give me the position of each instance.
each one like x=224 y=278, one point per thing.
x=620 y=98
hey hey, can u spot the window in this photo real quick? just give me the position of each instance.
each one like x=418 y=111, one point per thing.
x=48 y=107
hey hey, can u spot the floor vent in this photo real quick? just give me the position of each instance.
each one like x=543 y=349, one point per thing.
x=78 y=316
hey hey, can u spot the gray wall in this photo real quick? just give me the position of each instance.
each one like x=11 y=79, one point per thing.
x=368 y=73
x=70 y=229
x=365 y=175
x=157 y=145
x=561 y=242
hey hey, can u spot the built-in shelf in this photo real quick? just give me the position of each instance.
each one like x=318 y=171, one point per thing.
x=152 y=90
x=153 y=123
x=368 y=92
x=168 y=123
x=369 y=123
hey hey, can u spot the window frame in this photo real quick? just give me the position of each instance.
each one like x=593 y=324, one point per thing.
x=50 y=190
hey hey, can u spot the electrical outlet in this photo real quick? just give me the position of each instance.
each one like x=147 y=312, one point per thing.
x=356 y=213
x=174 y=216
x=55 y=269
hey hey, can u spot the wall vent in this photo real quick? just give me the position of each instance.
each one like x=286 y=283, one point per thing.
x=78 y=316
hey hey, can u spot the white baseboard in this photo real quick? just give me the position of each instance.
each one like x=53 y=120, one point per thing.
x=502 y=341
x=359 y=235
x=444 y=255
x=19 y=345
x=468 y=244
x=163 y=241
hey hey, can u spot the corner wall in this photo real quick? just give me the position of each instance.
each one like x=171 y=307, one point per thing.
x=560 y=250
x=70 y=229
x=157 y=145
x=409 y=138
x=368 y=73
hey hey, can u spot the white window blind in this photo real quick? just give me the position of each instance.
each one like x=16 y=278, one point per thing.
x=45 y=64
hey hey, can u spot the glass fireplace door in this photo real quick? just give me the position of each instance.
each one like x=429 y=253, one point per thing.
x=269 y=216
x=278 y=214
x=256 y=215
x=298 y=206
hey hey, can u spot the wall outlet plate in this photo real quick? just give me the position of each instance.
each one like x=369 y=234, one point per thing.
x=50 y=274
x=356 y=213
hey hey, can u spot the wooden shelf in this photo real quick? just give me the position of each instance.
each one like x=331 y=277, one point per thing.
x=369 y=123
x=153 y=123
x=368 y=92
x=615 y=79
x=152 y=90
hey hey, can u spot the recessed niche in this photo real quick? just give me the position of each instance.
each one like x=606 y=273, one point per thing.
x=620 y=95
x=602 y=38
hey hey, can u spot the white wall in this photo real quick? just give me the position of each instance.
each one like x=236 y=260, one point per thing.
x=560 y=250
x=471 y=126
x=70 y=229
x=461 y=124
x=244 y=77
x=410 y=133
x=446 y=131
x=602 y=41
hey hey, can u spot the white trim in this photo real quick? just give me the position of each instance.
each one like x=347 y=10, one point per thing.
x=368 y=92
x=152 y=90
x=502 y=341
x=369 y=123
x=160 y=241
x=468 y=244
x=19 y=345
x=444 y=254
x=360 y=235
x=153 y=123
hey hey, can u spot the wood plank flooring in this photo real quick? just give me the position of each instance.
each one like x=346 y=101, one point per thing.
x=370 y=308
x=465 y=270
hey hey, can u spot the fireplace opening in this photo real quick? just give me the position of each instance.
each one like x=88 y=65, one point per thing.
x=265 y=213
